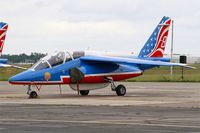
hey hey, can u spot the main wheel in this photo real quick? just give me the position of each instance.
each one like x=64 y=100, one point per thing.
x=84 y=92
x=120 y=90
x=33 y=94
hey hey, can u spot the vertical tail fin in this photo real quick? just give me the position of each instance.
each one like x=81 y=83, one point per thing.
x=3 y=30
x=155 y=45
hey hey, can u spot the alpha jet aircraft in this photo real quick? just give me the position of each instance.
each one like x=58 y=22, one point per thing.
x=84 y=71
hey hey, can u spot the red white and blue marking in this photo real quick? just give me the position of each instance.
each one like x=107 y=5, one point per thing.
x=96 y=69
x=3 y=29
x=89 y=79
x=155 y=45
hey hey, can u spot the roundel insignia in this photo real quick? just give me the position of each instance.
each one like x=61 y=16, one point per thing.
x=47 y=76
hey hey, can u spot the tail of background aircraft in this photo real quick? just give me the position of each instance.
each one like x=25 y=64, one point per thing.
x=155 y=45
x=3 y=30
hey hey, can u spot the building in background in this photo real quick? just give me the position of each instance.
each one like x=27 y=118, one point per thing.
x=190 y=59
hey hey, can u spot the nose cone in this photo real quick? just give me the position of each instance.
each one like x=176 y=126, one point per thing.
x=20 y=78
x=14 y=79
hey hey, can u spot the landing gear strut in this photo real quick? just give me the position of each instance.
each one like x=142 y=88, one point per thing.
x=120 y=89
x=32 y=94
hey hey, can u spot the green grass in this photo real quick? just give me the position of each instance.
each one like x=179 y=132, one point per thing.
x=6 y=73
x=161 y=74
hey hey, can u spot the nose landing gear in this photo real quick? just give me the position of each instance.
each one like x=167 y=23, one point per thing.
x=32 y=94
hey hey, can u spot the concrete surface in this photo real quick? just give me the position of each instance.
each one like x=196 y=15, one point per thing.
x=147 y=107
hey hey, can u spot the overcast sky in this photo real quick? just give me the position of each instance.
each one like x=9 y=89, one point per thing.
x=104 y=25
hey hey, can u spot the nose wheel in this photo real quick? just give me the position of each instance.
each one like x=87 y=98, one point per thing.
x=32 y=94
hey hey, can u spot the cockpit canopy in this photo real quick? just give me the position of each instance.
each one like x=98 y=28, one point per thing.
x=52 y=60
x=56 y=59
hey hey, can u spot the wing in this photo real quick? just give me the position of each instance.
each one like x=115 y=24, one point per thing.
x=130 y=61
x=7 y=65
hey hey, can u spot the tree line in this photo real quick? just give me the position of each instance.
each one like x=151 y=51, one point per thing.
x=23 y=58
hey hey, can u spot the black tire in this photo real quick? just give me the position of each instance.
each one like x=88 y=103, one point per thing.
x=33 y=94
x=84 y=92
x=120 y=90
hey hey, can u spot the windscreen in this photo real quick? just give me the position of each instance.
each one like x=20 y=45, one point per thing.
x=41 y=65
x=52 y=60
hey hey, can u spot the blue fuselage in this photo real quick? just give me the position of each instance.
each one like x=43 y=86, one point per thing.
x=94 y=72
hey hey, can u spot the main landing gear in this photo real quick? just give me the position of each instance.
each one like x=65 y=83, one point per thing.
x=84 y=92
x=120 y=89
x=32 y=94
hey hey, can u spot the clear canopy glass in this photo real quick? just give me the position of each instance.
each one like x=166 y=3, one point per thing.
x=52 y=60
